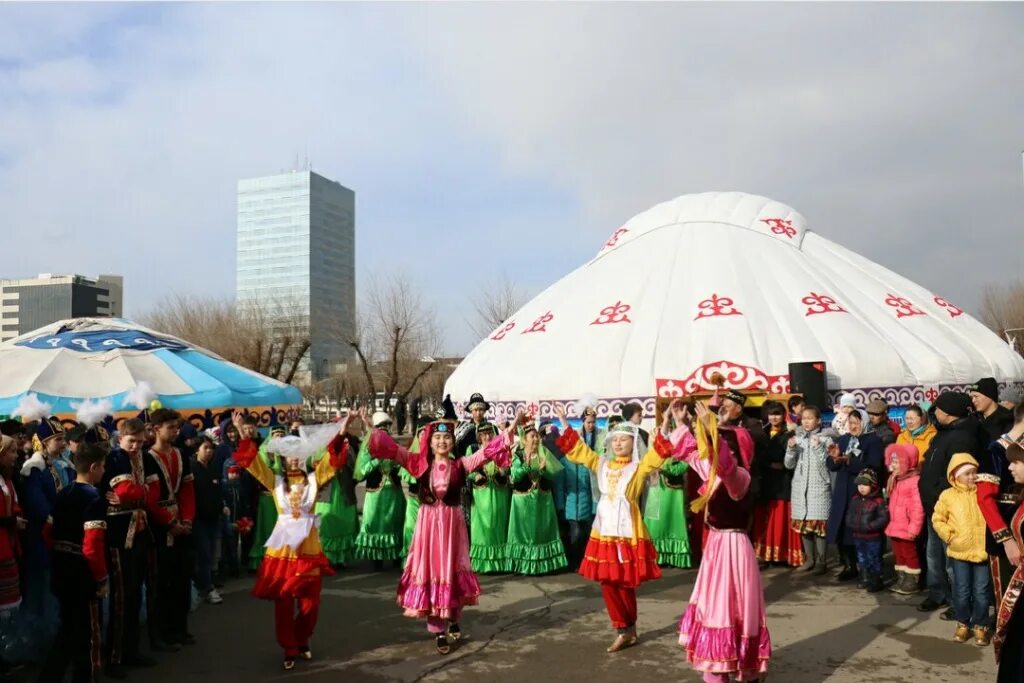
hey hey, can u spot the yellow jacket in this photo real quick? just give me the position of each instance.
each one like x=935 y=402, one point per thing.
x=920 y=442
x=957 y=518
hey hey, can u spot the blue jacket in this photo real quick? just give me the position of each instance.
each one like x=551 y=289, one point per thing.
x=39 y=495
x=576 y=492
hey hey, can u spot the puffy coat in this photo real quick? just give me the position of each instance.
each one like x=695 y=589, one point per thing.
x=906 y=514
x=961 y=436
x=957 y=518
x=921 y=441
x=811 y=488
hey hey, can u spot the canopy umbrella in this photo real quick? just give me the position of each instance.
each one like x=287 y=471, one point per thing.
x=735 y=284
x=109 y=358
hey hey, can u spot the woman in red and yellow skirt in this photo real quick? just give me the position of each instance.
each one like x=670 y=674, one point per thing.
x=294 y=561
x=773 y=535
x=620 y=554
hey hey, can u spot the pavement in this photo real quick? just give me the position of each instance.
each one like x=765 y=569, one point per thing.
x=554 y=628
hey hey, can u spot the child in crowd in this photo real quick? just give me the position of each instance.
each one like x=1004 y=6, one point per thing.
x=906 y=515
x=866 y=517
x=959 y=523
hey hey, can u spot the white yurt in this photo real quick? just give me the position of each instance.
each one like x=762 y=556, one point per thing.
x=731 y=283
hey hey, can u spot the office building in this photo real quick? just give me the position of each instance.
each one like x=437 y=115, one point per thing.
x=27 y=305
x=296 y=253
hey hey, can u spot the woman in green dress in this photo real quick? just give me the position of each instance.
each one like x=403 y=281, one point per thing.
x=336 y=507
x=380 y=533
x=665 y=514
x=492 y=499
x=266 y=511
x=534 y=545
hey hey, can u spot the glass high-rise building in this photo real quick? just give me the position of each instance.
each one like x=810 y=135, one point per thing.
x=296 y=249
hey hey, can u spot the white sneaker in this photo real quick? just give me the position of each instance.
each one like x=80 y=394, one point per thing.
x=213 y=597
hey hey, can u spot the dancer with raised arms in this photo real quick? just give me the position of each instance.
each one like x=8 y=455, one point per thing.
x=620 y=554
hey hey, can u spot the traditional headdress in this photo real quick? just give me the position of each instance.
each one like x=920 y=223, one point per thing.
x=477 y=401
x=623 y=428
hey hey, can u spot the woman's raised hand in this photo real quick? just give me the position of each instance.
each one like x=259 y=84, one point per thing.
x=560 y=414
x=680 y=413
x=703 y=414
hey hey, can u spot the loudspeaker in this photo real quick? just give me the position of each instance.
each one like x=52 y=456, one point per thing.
x=809 y=380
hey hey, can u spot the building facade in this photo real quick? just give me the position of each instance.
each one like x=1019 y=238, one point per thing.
x=27 y=305
x=296 y=255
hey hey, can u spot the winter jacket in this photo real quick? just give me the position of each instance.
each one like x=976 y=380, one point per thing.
x=576 y=491
x=867 y=516
x=865 y=452
x=995 y=425
x=921 y=441
x=811 y=494
x=886 y=433
x=906 y=514
x=776 y=483
x=961 y=436
x=209 y=496
x=957 y=518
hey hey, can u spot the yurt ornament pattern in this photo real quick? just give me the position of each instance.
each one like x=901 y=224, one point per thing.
x=646 y=318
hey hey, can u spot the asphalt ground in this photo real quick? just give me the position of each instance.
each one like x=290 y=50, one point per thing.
x=554 y=628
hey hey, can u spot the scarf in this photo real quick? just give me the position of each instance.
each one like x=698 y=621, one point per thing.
x=707 y=447
x=919 y=431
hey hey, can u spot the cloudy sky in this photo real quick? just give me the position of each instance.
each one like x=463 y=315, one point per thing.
x=487 y=140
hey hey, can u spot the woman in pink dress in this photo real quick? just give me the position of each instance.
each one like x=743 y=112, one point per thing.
x=438 y=580
x=723 y=629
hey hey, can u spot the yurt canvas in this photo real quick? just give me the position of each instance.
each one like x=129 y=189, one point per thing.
x=731 y=283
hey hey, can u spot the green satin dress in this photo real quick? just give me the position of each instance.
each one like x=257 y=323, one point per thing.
x=339 y=518
x=381 y=532
x=665 y=515
x=489 y=518
x=534 y=544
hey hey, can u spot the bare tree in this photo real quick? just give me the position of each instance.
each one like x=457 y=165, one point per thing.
x=1002 y=309
x=267 y=337
x=495 y=305
x=395 y=340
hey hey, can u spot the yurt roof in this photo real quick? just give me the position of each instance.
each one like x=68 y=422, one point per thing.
x=736 y=283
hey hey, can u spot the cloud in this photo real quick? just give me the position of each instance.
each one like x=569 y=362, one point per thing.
x=489 y=138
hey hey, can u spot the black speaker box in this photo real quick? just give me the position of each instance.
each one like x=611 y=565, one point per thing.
x=809 y=380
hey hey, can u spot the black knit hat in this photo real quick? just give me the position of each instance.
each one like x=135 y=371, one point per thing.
x=954 y=403
x=987 y=386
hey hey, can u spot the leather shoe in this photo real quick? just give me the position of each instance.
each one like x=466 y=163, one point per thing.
x=929 y=605
x=948 y=615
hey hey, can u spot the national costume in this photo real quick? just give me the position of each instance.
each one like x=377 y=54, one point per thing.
x=294 y=562
x=381 y=528
x=665 y=514
x=723 y=629
x=171 y=502
x=79 y=572
x=438 y=580
x=489 y=515
x=620 y=554
x=534 y=545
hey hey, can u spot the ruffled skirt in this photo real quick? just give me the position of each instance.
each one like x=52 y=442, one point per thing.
x=438 y=580
x=621 y=561
x=723 y=629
